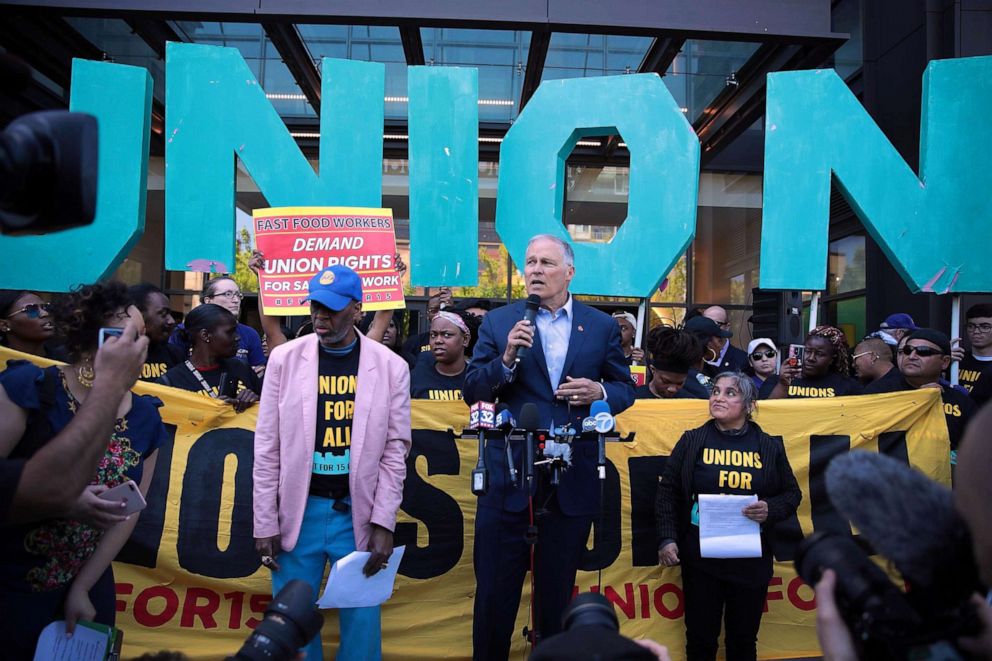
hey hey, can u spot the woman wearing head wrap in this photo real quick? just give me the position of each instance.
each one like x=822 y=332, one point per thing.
x=452 y=336
x=825 y=370
x=762 y=358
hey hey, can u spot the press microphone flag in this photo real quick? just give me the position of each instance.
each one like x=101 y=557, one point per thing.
x=603 y=423
x=481 y=416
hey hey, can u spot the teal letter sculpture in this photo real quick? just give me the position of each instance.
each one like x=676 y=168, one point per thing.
x=121 y=99
x=664 y=178
x=217 y=111
x=935 y=229
x=444 y=176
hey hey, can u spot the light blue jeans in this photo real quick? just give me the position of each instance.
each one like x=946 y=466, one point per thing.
x=327 y=535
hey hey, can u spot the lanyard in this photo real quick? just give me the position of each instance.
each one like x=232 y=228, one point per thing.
x=199 y=377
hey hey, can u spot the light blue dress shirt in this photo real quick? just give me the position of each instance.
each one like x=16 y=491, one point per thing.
x=555 y=330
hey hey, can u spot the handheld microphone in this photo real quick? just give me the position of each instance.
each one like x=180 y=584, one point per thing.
x=529 y=422
x=908 y=518
x=482 y=416
x=603 y=423
x=530 y=313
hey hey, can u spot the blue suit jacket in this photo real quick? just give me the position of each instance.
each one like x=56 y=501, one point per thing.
x=593 y=352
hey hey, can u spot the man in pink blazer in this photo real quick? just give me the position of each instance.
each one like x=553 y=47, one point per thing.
x=331 y=442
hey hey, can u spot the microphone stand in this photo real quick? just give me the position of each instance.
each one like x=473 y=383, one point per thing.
x=533 y=635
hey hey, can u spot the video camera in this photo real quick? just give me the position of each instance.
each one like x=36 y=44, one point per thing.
x=48 y=165
x=590 y=630
x=910 y=520
x=290 y=622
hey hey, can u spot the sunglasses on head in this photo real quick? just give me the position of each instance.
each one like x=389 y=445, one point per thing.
x=31 y=310
x=921 y=351
x=757 y=355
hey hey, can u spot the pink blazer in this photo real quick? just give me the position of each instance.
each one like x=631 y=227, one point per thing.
x=287 y=424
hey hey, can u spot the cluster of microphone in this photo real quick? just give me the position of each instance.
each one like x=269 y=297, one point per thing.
x=543 y=448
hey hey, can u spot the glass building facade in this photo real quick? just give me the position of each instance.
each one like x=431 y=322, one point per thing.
x=714 y=69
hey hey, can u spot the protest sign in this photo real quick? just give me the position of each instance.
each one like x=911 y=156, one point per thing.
x=298 y=242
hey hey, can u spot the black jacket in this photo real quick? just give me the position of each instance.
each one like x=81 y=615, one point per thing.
x=673 y=504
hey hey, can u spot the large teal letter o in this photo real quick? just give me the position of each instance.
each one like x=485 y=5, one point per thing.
x=664 y=178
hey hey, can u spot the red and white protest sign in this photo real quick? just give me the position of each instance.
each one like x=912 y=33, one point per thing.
x=298 y=242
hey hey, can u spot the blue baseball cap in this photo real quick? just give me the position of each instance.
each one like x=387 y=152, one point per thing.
x=335 y=287
x=899 y=320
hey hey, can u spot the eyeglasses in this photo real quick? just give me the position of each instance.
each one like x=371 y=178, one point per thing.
x=757 y=355
x=863 y=353
x=229 y=295
x=921 y=351
x=31 y=310
x=983 y=328
x=723 y=324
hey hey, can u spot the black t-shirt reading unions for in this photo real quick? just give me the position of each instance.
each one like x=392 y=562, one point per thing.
x=729 y=464
x=831 y=384
x=161 y=358
x=427 y=383
x=337 y=383
x=238 y=375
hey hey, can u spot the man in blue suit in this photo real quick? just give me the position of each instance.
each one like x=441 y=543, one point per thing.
x=574 y=358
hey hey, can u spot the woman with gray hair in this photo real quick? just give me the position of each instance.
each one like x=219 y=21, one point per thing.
x=730 y=454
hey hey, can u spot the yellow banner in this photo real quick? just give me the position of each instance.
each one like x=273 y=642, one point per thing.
x=190 y=580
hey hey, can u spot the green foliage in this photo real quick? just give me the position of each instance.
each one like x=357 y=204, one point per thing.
x=493 y=276
x=242 y=274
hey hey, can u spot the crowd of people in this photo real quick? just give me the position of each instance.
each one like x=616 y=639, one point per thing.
x=328 y=473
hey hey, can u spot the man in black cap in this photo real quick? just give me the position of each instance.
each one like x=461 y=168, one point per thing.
x=728 y=357
x=924 y=355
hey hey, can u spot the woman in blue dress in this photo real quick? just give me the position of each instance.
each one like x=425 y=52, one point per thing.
x=61 y=568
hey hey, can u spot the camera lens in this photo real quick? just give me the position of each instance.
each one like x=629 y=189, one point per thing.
x=590 y=609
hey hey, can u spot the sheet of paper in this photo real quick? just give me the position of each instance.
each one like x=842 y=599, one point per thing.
x=723 y=531
x=348 y=587
x=86 y=644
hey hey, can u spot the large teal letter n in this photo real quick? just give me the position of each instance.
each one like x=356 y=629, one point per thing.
x=936 y=229
x=217 y=110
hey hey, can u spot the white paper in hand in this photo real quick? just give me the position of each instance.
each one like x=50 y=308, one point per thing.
x=724 y=532
x=88 y=643
x=348 y=587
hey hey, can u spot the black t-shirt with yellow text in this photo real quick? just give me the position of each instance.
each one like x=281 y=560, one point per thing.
x=337 y=383
x=973 y=372
x=958 y=407
x=828 y=385
x=728 y=464
x=427 y=383
x=161 y=358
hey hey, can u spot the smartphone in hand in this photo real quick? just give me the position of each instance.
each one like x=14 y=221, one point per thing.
x=796 y=354
x=108 y=332
x=129 y=493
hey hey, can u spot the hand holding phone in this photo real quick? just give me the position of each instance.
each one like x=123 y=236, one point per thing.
x=108 y=332
x=129 y=493
x=796 y=354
